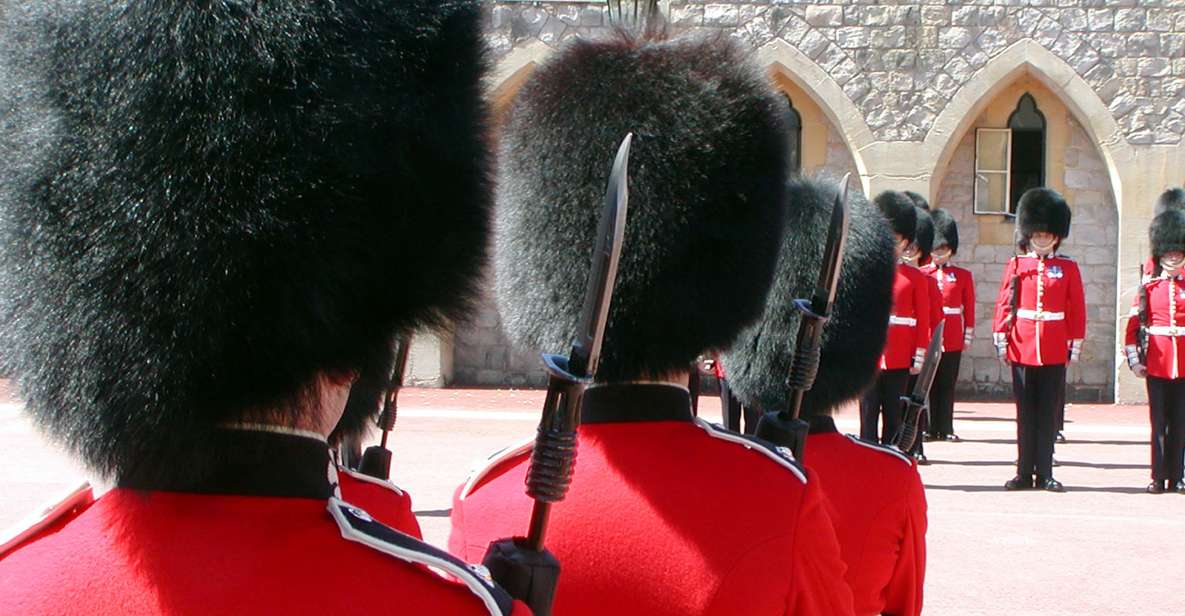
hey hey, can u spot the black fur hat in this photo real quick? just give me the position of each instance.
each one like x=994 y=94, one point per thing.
x=925 y=235
x=206 y=206
x=1042 y=210
x=918 y=200
x=707 y=181
x=1171 y=199
x=946 y=230
x=901 y=212
x=1167 y=232
x=759 y=363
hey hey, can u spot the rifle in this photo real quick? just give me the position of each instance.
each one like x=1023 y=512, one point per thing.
x=1142 y=311
x=785 y=428
x=915 y=402
x=522 y=565
x=376 y=460
x=1014 y=300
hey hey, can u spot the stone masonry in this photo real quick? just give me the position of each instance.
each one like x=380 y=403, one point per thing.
x=900 y=64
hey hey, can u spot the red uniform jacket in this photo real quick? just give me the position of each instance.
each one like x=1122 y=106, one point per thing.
x=383 y=500
x=265 y=537
x=1051 y=314
x=1166 y=331
x=878 y=505
x=958 y=304
x=668 y=515
x=909 y=322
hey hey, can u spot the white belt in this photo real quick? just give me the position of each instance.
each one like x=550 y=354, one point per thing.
x=1033 y=315
x=955 y=310
x=896 y=320
x=1167 y=330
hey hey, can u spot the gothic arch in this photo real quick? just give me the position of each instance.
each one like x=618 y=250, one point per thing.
x=786 y=60
x=1027 y=57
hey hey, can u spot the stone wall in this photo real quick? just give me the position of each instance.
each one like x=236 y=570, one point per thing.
x=901 y=61
x=1093 y=243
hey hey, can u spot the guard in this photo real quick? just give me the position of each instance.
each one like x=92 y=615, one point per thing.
x=666 y=514
x=918 y=256
x=909 y=326
x=958 y=308
x=1155 y=333
x=877 y=500
x=207 y=227
x=1039 y=325
x=1170 y=199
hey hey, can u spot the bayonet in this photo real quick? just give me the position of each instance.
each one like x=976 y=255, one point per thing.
x=784 y=427
x=915 y=401
x=522 y=566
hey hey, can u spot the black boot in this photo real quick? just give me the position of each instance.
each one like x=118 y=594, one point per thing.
x=1156 y=487
x=1179 y=487
x=1051 y=485
x=1020 y=482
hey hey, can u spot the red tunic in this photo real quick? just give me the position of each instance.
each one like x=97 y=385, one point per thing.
x=958 y=304
x=909 y=322
x=381 y=499
x=879 y=509
x=1052 y=310
x=137 y=551
x=668 y=515
x=1166 y=332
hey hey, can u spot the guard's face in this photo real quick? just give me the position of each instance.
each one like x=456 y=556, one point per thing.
x=1172 y=261
x=1043 y=242
x=941 y=255
x=900 y=246
x=910 y=252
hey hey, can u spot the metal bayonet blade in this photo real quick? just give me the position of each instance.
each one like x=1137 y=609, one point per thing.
x=930 y=366
x=833 y=250
x=586 y=350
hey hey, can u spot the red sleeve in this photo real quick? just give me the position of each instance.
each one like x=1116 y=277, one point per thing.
x=903 y=595
x=1133 y=321
x=1076 y=305
x=1004 y=298
x=922 y=311
x=818 y=585
x=937 y=316
x=968 y=300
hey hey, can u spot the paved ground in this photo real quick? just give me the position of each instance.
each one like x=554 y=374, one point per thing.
x=1104 y=547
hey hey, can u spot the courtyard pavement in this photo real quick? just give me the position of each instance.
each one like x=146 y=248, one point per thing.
x=1103 y=547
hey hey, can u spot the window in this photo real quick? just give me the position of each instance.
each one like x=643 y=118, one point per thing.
x=794 y=124
x=1009 y=161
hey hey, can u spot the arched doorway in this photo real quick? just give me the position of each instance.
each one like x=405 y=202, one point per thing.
x=1034 y=116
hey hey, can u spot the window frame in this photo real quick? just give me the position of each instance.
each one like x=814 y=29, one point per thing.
x=1006 y=172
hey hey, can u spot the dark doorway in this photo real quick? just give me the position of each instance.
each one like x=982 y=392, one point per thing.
x=1027 y=163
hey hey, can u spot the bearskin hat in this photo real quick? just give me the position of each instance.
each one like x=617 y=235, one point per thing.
x=1171 y=199
x=918 y=200
x=1167 y=232
x=1042 y=210
x=759 y=363
x=901 y=212
x=946 y=230
x=924 y=237
x=707 y=171
x=208 y=206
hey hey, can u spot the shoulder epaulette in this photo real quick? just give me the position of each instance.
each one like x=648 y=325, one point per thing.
x=372 y=480
x=480 y=471
x=781 y=455
x=70 y=503
x=358 y=526
x=885 y=449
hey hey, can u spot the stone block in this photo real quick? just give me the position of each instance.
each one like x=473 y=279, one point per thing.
x=824 y=16
x=936 y=15
x=1130 y=20
x=689 y=15
x=1161 y=20
x=851 y=37
x=1101 y=20
x=1143 y=44
x=813 y=44
x=1074 y=19
x=721 y=15
x=1154 y=67
x=955 y=37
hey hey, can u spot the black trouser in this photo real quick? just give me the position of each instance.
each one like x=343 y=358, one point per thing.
x=730 y=407
x=942 y=394
x=1036 y=388
x=923 y=420
x=883 y=397
x=1166 y=412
